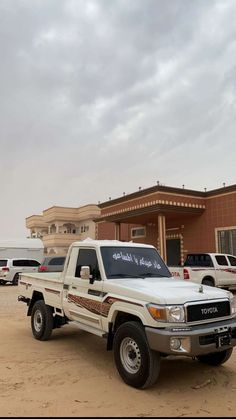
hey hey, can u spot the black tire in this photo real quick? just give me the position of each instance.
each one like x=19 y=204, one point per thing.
x=2 y=282
x=15 y=279
x=216 y=358
x=136 y=363
x=208 y=281
x=41 y=320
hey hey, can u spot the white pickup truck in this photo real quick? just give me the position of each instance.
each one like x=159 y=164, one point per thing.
x=124 y=292
x=214 y=269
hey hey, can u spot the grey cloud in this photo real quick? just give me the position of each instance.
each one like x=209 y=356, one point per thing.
x=93 y=91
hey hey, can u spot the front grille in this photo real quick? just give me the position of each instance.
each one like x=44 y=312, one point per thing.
x=206 y=311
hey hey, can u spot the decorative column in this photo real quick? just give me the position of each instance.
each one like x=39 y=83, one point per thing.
x=162 y=236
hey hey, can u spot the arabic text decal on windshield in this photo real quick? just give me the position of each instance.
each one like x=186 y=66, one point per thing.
x=138 y=260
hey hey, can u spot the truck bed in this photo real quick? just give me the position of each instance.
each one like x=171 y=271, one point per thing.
x=49 y=276
x=49 y=284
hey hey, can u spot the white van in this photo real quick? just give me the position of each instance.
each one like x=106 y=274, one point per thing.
x=10 y=269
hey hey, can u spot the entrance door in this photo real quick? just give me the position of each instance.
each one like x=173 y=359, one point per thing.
x=173 y=252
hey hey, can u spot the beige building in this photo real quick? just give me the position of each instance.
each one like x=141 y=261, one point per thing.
x=58 y=227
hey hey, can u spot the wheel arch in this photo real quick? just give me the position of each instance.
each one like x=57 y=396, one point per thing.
x=37 y=295
x=15 y=278
x=123 y=317
x=119 y=317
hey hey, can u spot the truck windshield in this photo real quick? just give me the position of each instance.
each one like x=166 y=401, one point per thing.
x=133 y=262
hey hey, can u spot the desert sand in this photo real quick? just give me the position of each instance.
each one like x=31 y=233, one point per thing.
x=72 y=374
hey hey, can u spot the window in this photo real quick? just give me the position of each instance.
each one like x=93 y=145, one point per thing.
x=88 y=257
x=33 y=262
x=3 y=262
x=20 y=262
x=25 y=262
x=200 y=259
x=221 y=260
x=227 y=241
x=57 y=261
x=84 y=228
x=138 y=232
x=232 y=260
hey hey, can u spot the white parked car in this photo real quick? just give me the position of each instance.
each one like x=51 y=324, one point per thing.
x=213 y=269
x=10 y=269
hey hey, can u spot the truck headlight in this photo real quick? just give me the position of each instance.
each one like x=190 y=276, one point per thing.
x=233 y=305
x=171 y=314
x=176 y=314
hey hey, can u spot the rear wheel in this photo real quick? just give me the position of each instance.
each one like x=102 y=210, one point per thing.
x=136 y=363
x=208 y=281
x=216 y=358
x=41 y=320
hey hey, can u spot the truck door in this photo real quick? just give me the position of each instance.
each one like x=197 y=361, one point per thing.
x=225 y=270
x=232 y=262
x=81 y=298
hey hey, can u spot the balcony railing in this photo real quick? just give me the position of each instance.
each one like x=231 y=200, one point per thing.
x=60 y=239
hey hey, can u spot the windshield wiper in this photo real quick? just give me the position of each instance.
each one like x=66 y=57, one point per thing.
x=123 y=276
x=151 y=274
x=142 y=275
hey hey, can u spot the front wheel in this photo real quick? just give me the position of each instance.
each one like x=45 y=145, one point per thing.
x=41 y=320
x=136 y=363
x=216 y=358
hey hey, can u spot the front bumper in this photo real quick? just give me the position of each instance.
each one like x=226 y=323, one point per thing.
x=196 y=340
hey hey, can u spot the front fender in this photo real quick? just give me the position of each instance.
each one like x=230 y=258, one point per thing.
x=138 y=310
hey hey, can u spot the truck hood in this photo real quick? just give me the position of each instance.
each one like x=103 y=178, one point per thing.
x=164 y=290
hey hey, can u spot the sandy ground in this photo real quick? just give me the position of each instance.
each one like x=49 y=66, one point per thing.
x=73 y=375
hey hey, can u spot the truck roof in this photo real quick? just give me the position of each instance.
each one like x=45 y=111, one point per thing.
x=116 y=243
x=209 y=253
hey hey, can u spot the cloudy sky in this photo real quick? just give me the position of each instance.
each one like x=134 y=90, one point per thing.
x=99 y=97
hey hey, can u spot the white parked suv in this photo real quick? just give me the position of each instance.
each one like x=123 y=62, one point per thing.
x=10 y=269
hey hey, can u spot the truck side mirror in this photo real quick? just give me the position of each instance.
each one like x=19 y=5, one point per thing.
x=85 y=272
